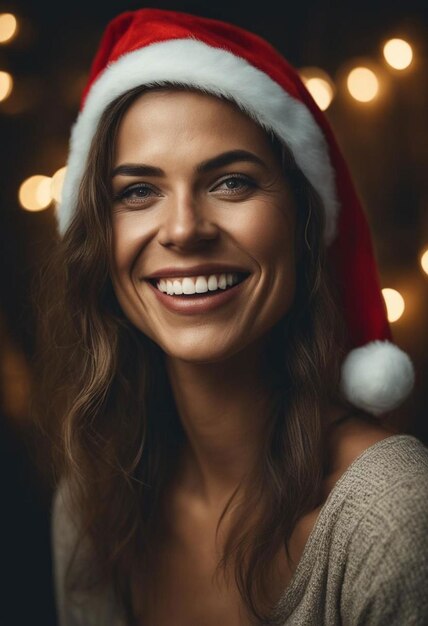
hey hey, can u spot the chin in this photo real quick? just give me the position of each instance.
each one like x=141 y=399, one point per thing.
x=198 y=349
x=199 y=354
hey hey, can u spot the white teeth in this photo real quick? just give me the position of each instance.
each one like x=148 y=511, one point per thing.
x=177 y=287
x=199 y=284
x=212 y=283
x=222 y=282
x=188 y=286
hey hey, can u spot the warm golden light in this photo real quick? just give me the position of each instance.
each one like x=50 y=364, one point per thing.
x=363 y=84
x=35 y=193
x=57 y=182
x=43 y=192
x=8 y=27
x=398 y=53
x=319 y=85
x=394 y=304
x=321 y=92
x=6 y=85
x=424 y=261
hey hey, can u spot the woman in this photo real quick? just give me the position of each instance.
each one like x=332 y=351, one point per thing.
x=217 y=457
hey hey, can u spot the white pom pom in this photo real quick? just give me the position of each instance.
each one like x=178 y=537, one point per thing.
x=377 y=377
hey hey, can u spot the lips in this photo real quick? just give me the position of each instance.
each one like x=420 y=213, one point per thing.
x=203 y=269
x=196 y=304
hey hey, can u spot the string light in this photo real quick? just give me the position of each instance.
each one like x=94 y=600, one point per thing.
x=319 y=85
x=398 y=53
x=6 y=85
x=424 y=260
x=394 y=304
x=56 y=184
x=363 y=84
x=35 y=193
x=8 y=27
x=43 y=192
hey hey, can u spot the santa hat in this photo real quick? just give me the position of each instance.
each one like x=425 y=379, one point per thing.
x=151 y=47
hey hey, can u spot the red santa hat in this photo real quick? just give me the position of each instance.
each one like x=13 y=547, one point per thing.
x=151 y=47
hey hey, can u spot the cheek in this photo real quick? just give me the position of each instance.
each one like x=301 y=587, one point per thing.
x=120 y=263
x=269 y=236
x=124 y=251
x=272 y=243
x=130 y=234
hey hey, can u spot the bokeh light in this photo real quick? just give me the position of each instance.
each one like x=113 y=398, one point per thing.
x=6 y=85
x=35 y=193
x=398 y=53
x=424 y=260
x=363 y=84
x=394 y=304
x=43 y=192
x=56 y=184
x=319 y=85
x=8 y=27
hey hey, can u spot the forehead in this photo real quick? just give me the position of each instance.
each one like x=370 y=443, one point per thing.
x=177 y=118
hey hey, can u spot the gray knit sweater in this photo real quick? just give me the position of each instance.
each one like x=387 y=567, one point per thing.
x=365 y=562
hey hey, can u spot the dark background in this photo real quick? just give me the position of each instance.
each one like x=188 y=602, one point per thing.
x=385 y=144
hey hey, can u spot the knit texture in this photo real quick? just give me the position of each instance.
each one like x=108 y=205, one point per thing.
x=365 y=562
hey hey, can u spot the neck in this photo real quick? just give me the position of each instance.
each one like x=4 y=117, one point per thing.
x=223 y=408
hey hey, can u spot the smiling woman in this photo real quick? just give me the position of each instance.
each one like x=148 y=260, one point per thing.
x=211 y=358
x=188 y=216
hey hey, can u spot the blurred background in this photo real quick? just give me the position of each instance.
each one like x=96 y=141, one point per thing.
x=366 y=66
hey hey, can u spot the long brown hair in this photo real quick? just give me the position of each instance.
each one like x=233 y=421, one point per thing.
x=109 y=411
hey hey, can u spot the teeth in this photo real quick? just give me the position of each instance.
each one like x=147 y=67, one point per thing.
x=222 y=283
x=201 y=285
x=176 y=287
x=197 y=284
x=189 y=286
x=212 y=282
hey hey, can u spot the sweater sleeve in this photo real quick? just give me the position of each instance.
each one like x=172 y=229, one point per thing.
x=99 y=608
x=63 y=534
x=386 y=574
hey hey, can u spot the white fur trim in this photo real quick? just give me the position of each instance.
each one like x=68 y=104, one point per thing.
x=377 y=377
x=213 y=70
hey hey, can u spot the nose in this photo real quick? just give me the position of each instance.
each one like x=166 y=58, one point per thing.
x=186 y=223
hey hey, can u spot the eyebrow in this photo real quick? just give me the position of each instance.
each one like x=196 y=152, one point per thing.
x=226 y=158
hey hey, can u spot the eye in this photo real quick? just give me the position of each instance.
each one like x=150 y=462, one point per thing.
x=235 y=184
x=135 y=193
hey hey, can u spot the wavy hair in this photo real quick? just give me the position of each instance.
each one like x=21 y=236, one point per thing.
x=108 y=409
